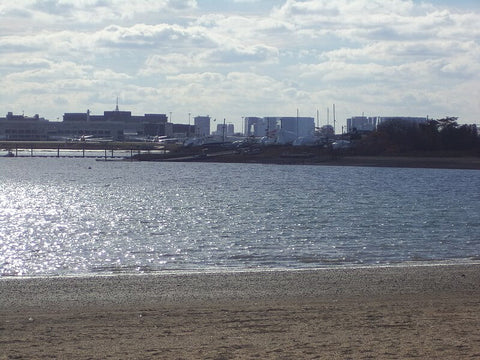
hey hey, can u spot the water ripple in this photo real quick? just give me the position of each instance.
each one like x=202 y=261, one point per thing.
x=77 y=216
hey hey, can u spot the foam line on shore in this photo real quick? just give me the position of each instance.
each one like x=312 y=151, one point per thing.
x=207 y=271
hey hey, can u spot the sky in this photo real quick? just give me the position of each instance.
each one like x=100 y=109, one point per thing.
x=235 y=58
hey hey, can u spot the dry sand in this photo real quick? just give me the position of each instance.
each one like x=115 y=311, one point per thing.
x=424 y=312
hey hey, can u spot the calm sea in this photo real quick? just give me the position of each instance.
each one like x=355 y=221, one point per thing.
x=63 y=216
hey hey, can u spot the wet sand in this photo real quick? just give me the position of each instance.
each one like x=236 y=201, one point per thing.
x=424 y=312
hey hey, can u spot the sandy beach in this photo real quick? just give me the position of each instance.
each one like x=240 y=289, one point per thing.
x=424 y=312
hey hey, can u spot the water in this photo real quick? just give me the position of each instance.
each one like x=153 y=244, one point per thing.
x=81 y=216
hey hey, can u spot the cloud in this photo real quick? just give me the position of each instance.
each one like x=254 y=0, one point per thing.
x=161 y=35
x=256 y=53
x=52 y=13
x=241 y=56
x=167 y=64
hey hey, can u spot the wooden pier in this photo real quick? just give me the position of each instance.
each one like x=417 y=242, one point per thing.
x=80 y=149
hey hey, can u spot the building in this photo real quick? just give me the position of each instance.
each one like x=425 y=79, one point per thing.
x=255 y=126
x=23 y=128
x=202 y=126
x=225 y=130
x=118 y=125
x=271 y=126
x=298 y=126
x=180 y=131
x=361 y=124
x=115 y=125
x=366 y=124
x=415 y=120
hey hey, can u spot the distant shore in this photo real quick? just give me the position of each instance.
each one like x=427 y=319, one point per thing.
x=472 y=163
x=292 y=155
x=282 y=155
x=428 y=312
x=295 y=158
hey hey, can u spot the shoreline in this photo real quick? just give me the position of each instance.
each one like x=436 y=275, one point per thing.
x=458 y=163
x=231 y=271
x=118 y=290
x=311 y=156
x=293 y=156
x=419 y=311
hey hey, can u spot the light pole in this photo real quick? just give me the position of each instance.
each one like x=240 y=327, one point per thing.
x=223 y=129
x=188 y=124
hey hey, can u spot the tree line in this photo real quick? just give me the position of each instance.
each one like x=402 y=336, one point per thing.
x=399 y=136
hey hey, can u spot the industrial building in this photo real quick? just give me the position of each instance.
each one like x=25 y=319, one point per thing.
x=367 y=124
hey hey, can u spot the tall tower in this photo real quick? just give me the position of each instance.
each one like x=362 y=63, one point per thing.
x=334 y=120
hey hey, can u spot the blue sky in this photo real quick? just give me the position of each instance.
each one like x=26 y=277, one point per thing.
x=236 y=58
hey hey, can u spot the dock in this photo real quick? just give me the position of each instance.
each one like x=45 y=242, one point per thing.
x=80 y=149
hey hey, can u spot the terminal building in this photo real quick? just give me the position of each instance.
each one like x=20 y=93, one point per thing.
x=115 y=125
x=23 y=128
x=118 y=125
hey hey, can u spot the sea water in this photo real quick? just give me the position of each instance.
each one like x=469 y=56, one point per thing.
x=61 y=216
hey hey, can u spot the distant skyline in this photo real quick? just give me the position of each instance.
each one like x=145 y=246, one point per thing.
x=238 y=58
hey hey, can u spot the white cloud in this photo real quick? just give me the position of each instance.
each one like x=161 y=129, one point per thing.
x=167 y=64
x=232 y=54
x=240 y=59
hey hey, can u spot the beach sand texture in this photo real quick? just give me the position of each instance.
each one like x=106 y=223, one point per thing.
x=416 y=312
